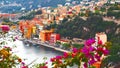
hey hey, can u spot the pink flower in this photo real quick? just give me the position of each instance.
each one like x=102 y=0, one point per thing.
x=58 y=57
x=74 y=54
x=91 y=49
x=88 y=55
x=23 y=63
x=85 y=50
x=52 y=59
x=46 y=62
x=91 y=61
x=97 y=57
x=5 y=28
x=85 y=65
x=100 y=42
x=100 y=49
x=89 y=42
x=59 y=61
x=75 y=50
x=65 y=55
x=24 y=67
x=16 y=37
x=105 y=52
x=43 y=67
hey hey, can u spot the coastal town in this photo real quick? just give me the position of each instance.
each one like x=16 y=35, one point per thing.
x=43 y=27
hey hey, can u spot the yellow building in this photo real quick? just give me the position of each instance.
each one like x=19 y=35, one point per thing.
x=34 y=30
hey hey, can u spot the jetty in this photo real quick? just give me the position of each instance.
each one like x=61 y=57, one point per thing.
x=45 y=44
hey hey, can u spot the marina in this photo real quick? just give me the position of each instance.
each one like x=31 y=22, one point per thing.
x=46 y=45
x=31 y=51
x=32 y=54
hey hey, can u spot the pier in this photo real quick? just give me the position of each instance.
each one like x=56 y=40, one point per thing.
x=46 y=45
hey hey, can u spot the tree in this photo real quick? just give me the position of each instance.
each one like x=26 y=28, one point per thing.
x=28 y=16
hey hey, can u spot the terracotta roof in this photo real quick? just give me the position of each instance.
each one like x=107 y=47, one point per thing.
x=8 y=15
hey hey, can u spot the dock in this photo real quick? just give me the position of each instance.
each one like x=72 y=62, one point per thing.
x=46 y=45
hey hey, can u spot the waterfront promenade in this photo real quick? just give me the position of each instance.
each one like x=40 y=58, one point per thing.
x=44 y=44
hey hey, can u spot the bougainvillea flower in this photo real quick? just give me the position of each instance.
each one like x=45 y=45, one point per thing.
x=85 y=65
x=85 y=50
x=100 y=42
x=91 y=48
x=46 y=62
x=100 y=49
x=59 y=61
x=23 y=63
x=43 y=67
x=97 y=56
x=74 y=54
x=24 y=67
x=89 y=42
x=88 y=55
x=74 y=50
x=91 y=61
x=58 y=57
x=5 y=28
x=106 y=52
x=16 y=38
x=52 y=59
x=65 y=55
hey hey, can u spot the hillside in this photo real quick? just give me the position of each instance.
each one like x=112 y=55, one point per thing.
x=79 y=28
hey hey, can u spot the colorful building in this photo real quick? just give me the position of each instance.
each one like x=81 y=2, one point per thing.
x=101 y=37
x=54 y=38
x=45 y=35
x=26 y=28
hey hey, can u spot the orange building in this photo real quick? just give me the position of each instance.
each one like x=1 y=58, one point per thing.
x=26 y=28
x=45 y=35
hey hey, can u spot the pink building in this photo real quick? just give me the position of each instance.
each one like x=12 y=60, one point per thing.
x=54 y=38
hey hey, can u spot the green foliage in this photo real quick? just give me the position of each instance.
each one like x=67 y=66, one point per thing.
x=7 y=23
x=114 y=56
x=6 y=20
x=66 y=45
x=8 y=60
x=80 y=28
x=38 y=12
x=28 y=16
x=114 y=10
x=103 y=9
x=93 y=24
x=82 y=14
x=78 y=45
x=115 y=14
x=114 y=7
x=58 y=43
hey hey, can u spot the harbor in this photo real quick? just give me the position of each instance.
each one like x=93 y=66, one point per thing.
x=31 y=51
x=45 y=44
